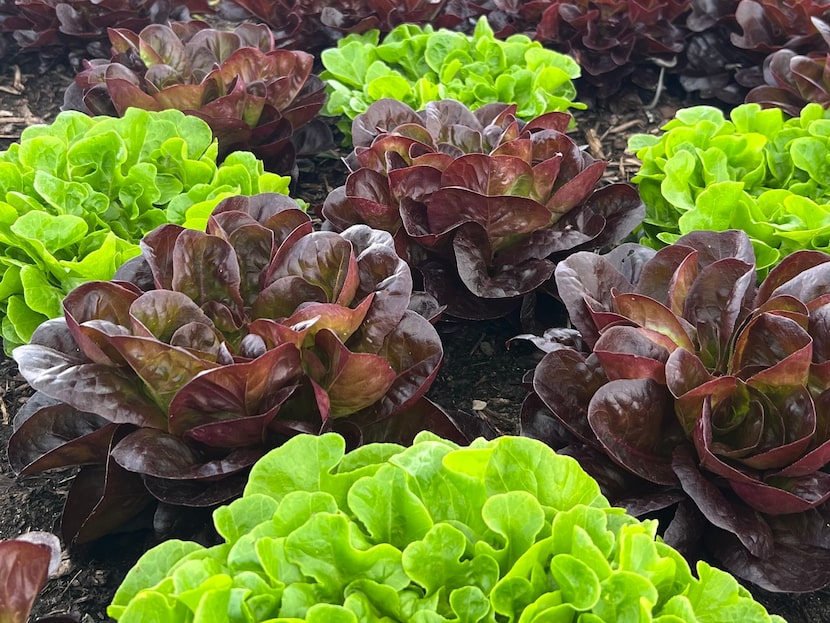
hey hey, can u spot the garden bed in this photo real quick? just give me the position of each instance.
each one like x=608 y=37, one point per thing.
x=480 y=375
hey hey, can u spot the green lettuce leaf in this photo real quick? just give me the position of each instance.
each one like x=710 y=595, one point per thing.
x=502 y=530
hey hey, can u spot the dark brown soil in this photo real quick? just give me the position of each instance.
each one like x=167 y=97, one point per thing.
x=480 y=374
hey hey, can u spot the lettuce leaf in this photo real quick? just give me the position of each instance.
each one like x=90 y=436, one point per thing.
x=78 y=195
x=500 y=530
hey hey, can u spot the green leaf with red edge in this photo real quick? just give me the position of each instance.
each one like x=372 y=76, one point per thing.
x=160 y=314
x=159 y=44
x=125 y=94
x=650 y=314
x=544 y=178
x=163 y=369
x=235 y=112
x=235 y=390
x=123 y=40
x=342 y=321
x=205 y=269
x=353 y=381
x=773 y=353
x=632 y=353
x=689 y=405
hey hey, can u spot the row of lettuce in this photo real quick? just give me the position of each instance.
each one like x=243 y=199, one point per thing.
x=766 y=50
x=179 y=317
x=75 y=186
x=225 y=339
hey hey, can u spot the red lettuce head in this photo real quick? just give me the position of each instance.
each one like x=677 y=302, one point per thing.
x=253 y=96
x=611 y=39
x=479 y=202
x=793 y=80
x=318 y=24
x=725 y=55
x=212 y=348
x=705 y=389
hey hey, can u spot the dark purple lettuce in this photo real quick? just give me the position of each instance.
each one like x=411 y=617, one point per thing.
x=39 y=24
x=612 y=40
x=318 y=24
x=725 y=55
x=479 y=203
x=253 y=96
x=213 y=347
x=770 y=25
x=702 y=392
x=794 y=80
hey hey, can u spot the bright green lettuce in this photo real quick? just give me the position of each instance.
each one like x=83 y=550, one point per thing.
x=77 y=195
x=757 y=171
x=504 y=530
x=417 y=65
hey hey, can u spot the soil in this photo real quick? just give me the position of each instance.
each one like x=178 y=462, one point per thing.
x=481 y=373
